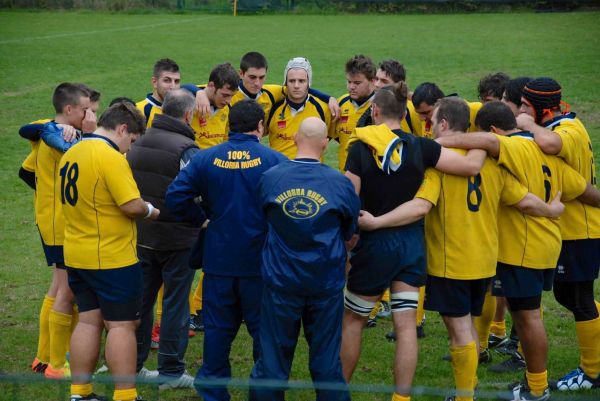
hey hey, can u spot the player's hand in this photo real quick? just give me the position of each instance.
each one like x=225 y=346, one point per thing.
x=556 y=206
x=366 y=221
x=525 y=122
x=89 y=121
x=351 y=243
x=69 y=132
x=202 y=104
x=334 y=108
x=155 y=214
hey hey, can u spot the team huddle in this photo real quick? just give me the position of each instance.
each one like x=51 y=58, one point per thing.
x=437 y=204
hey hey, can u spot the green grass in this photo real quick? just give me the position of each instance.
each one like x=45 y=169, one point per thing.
x=115 y=53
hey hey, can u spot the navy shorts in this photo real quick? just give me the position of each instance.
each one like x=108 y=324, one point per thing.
x=579 y=261
x=522 y=282
x=116 y=292
x=54 y=255
x=455 y=298
x=387 y=255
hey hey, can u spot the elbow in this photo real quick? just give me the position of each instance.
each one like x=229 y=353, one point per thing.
x=548 y=146
x=423 y=208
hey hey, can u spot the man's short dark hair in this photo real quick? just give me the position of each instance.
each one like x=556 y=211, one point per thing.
x=123 y=113
x=497 y=114
x=391 y=100
x=394 y=69
x=224 y=74
x=455 y=111
x=428 y=93
x=245 y=116
x=514 y=89
x=177 y=102
x=361 y=64
x=164 y=65
x=253 y=60
x=68 y=94
x=492 y=85
x=93 y=94
x=121 y=99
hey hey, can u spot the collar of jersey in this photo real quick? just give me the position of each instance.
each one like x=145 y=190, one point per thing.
x=102 y=138
x=248 y=94
x=365 y=100
x=236 y=136
x=556 y=120
x=522 y=134
x=306 y=160
x=300 y=105
x=153 y=101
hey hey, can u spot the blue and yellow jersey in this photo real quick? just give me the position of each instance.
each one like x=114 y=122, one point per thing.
x=96 y=180
x=284 y=121
x=149 y=107
x=213 y=130
x=342 y=129
x=267 y=97
x=533 y=242
x=411 y=122
x=579 y=221
x=48 y=207
x=466 y=213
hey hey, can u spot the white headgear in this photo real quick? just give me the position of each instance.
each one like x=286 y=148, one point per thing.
x=298 y=63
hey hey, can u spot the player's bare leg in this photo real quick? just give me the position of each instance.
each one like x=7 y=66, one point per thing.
x=532 y=334
x=85 y=346
x=121 y=352
x=352 y=328
x=405 y=326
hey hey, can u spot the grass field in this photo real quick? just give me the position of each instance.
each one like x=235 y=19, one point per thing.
x=115 y=53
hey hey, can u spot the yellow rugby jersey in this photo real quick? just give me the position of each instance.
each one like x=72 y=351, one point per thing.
x=48 y=207
x=149 y=108
x=213 y=130
x=96 y=180
x=533 y=242
x=342 y=129
x=283 y=123
x=411 y=122
x=579 y=221
x=267 y=97
x=461 y=231
x=474 y=108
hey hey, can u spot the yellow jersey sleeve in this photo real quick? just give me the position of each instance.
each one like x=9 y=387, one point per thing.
x=573 y=184
x=119 y=179
x=29 y=162
x=431 y=186
x=474 y=108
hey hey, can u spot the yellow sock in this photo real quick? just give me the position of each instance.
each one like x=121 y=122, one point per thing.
x=498 y=328
x=386 y=296
x=82 y=389
x=398 y=397
x=43 y=350
x=482 y=323
x=538 y=382
x=597 y=306
x=520 y=349
x=196 y=303
x=588 y=336
x=60 y=335
x=420 y=309
x=159 y=301
x=464 y=365
x=128 y=394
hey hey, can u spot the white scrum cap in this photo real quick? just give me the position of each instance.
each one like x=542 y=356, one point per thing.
x=298 y=63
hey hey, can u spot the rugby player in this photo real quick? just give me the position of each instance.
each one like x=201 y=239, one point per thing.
x=287 y=115
x=561 y=133
x=100 y=200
